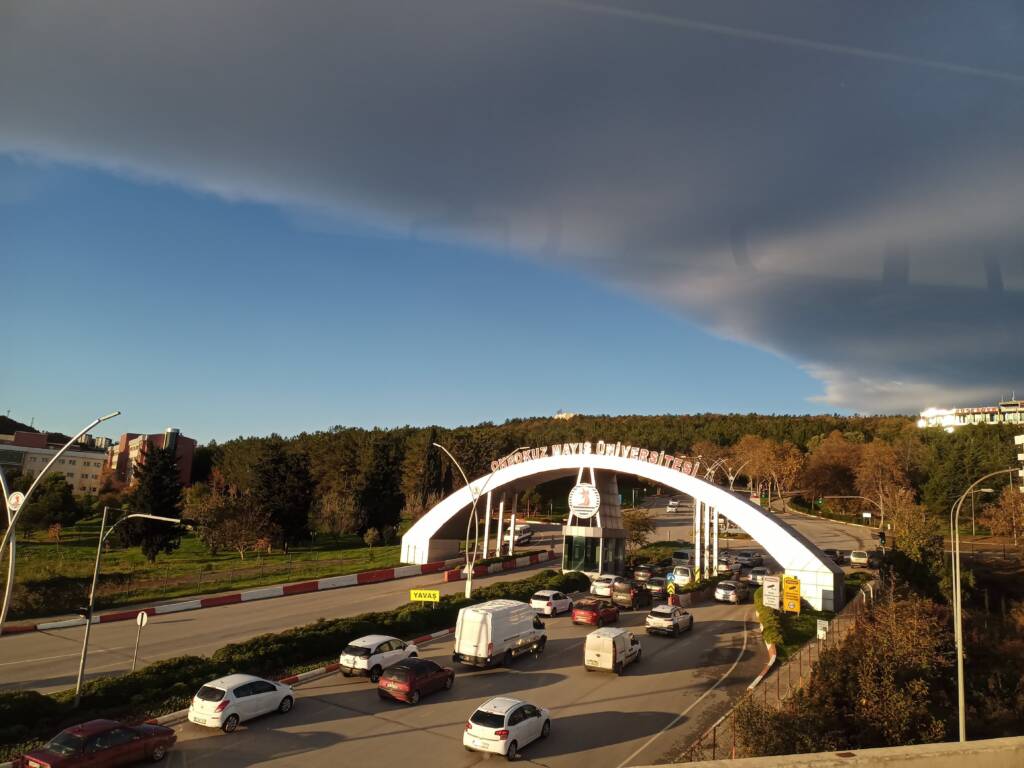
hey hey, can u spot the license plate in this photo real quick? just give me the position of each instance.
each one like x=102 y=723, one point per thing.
x=477 y=743
x=199 y=720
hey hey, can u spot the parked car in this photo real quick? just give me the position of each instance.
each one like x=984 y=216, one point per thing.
x=668 y=620
x=643 y=572
x=682 y=557
x=412 y=679
x=101 y=743
x=225 y=702
x=682 y=575
x=611 y=649
x=599 y=612
x=835 y=554
x=658 y=587
x=673 y=505
x=602 y=585
x=496 y=632
x=371 y=655
x=503 y=725
x=859 y=558
x=758 y=574
x=727 y=565
x=631 y=595
x=731 y=591
x=550 y=603
x=749 y=559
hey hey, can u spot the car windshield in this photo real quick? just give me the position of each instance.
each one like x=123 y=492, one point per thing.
x=541 y=597
x=487 y=719
x=726 y=587
x=587 y=605
x=662 y=610
x=209 y=693
x=398 y=674
x=657 y=581
x=359 y=651
x=860 y=553
x=65 y=744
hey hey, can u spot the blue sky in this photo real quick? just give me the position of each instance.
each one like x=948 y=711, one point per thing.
x=333 y=214
x=222 y=318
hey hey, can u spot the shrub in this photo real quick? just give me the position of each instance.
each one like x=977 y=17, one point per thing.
x=772 y=632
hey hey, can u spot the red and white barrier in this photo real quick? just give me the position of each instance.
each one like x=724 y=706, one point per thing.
x=261 y=593
x=511 y=564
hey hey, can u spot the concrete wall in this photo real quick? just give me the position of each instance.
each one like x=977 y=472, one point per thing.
x=987 y=753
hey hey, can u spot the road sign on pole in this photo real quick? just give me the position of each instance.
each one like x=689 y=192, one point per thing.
x=142 y=619
x=424 y=595
x=15 y=500
x=671 y=588
x=791 y=594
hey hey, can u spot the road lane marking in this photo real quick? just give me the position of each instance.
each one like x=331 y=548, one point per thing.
x=686 y=711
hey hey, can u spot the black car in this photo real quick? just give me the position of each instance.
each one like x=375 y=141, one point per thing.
x=631 y=594
x=835 y=554
x=658 y=587
x=644 y=572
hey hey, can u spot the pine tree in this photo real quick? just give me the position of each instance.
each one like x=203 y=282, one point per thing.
x=157 y=492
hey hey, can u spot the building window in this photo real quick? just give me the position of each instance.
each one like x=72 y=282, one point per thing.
x=71 y=462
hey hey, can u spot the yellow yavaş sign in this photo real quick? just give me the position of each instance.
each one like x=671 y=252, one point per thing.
x=425 y=595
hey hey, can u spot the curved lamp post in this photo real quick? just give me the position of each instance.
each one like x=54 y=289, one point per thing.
x=95 y=573
x=13 y=518
x=473 y=520
x=958 y=616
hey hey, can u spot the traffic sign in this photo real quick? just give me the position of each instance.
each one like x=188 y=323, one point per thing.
x=791 y=604
x=142 y=619
x=791 y=594
x=671 y=588
x=425 y=595
x=822 y=629
x=15 y=500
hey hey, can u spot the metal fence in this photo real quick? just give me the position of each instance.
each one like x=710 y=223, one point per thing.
x=719 y=741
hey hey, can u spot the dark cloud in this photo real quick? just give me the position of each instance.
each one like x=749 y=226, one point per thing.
x=838 y=182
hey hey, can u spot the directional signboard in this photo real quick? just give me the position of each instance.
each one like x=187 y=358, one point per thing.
x=822 y=629
x=770 y=591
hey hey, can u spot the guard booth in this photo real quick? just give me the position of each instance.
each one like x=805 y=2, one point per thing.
x=593 y=538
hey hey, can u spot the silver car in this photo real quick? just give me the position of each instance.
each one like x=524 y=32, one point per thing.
x=731 y=592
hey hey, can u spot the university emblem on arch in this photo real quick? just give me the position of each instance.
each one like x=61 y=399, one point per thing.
x=584 y=500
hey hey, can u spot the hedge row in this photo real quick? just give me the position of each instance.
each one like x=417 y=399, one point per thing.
x=772 y=632
x=165 y=686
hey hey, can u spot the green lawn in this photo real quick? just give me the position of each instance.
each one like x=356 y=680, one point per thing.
x=127 y=578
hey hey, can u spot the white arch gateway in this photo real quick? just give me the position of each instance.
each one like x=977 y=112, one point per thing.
x=430 y=539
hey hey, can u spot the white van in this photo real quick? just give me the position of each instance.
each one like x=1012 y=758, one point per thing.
x=611 y=649
x=682 y=575
x=521 y=534
x=496 y=632
x=682 y=557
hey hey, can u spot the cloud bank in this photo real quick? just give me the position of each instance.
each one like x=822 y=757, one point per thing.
x=839 y=183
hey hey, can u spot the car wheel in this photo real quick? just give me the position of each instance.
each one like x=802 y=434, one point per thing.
x=600 y=623
x=346 y=674
x=159 y=753
x=507 y=660
x=510 y=755
x=285 y=705
x=539 y=647
x=449 y=682
x=230 y=724
x=414 y=697
x=413 y=655
x=546 y=730
x=639 y=653
x=617 y=669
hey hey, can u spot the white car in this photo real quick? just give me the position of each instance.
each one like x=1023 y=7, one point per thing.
x=602 y=586
x=726 y=565
x=758 y=574
x=503 y=726
x=668 y=620
x=225 y=702
x=372 y=654
x=731 y=591
x=550 y=603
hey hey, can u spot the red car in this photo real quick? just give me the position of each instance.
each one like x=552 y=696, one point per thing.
x=411 y=679
x=102 y=744
x=599 y=612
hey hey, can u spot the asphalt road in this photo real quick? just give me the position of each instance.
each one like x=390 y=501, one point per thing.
x=48 y=661
x=599 y=720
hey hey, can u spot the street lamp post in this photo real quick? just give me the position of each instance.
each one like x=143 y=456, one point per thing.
x=471 y=561
x=104 y=535
x=13 y=518
x=734 y=473
x=958 y=617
